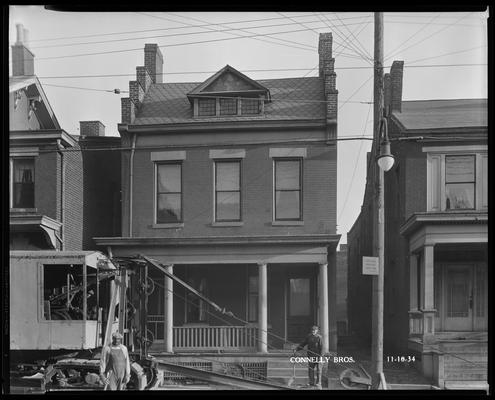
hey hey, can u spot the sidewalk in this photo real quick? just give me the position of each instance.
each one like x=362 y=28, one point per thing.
x=395 y=372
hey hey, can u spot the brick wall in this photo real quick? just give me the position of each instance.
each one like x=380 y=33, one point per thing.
x=91 y=128
x=319 y=191
x=74 y=197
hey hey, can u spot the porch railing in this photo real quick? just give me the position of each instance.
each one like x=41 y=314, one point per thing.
x=215 y=337
x=206 y=337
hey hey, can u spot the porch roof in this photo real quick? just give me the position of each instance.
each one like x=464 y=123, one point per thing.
x=418 y=220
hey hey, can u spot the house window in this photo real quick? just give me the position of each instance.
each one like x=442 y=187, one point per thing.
x=228 y=106
x=168 y=193
x=288 y=189
x=23 y=183
x=250 y=106
x=252 y=306
x=228 y=190
x=207 y=107
x=457 y=178
x=196 y=309
x=460 y=177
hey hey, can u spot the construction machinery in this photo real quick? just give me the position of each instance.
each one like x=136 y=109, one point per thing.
x=64 y=307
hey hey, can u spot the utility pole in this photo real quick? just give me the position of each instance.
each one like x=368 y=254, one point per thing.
x=378 y=200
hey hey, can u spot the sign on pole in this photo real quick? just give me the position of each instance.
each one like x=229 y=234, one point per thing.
x=370 y=265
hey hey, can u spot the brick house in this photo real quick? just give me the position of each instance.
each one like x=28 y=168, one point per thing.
x=231 y=184
x=62 y=191
x=436 y=215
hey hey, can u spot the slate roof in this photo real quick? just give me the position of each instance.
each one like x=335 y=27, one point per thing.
x=167 y=103
x=436 y=114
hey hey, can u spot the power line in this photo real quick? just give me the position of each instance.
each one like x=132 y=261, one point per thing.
x=414 y=34
x=266 y=70
x=174 y=45
x=355 y=165
x=172 y=28
x=422 y=40
x=357 y=40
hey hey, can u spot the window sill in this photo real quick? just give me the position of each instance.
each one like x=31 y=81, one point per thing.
x=227 y=224
x=165 y=226
x=287 y=223
x=23 y=210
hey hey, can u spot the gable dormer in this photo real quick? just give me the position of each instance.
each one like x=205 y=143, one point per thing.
x=228 y=93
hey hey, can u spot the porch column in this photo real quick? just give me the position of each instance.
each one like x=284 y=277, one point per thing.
x=169 y=310
x=427 y=296
x=323 y=304
x=262 y=309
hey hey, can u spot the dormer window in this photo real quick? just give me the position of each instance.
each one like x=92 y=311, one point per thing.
x=250 y=107
x=228 y=106
x=207 y=107
x=228 y=93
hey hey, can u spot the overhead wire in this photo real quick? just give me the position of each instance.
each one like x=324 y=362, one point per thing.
x=269 y=70
x=424 y=39
x=247 y=30
x=355 y=166
x=413 y=35
x=353 y=46
x=360 y=45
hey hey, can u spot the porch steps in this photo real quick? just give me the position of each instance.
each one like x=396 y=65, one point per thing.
x=465 y=361
x=282 y=370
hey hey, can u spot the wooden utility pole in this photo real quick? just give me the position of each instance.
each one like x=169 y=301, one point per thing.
x=378 y=200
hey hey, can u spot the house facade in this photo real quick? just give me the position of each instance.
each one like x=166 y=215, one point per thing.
x=230 y=184
x=63 y=188
x=436 y=234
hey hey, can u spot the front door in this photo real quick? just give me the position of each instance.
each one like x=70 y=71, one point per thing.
x=300 y=307
x=458 y=298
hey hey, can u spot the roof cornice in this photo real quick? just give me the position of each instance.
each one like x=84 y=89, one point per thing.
x=319 y=239
x=229 y=126
x=41 y=137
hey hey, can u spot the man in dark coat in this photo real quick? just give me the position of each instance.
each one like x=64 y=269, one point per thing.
x=314 y=345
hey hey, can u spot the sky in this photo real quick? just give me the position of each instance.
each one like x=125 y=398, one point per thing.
x=444 y=54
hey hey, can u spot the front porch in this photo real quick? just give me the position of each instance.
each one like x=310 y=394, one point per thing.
x=448 y=296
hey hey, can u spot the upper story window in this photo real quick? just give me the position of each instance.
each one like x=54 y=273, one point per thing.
x=460 y=182
x=457 y=178
x=22 y=183
x=227 y=190
x=168 y=192
x=288 y=189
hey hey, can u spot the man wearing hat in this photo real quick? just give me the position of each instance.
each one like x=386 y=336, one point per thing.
x=115 y=368
x=314 y=343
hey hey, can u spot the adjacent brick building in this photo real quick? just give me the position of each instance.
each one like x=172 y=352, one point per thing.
x=436 y=214
x=231 y=184
x=64 y=189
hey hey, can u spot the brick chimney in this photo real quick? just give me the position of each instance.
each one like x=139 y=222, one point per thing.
x=153 y=61
x=326 y=71
x=22 y=57
x=393 y=87
x=91 y=128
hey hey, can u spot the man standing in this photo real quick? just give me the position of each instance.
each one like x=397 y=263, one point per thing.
x=115 y=367
x=314 y=343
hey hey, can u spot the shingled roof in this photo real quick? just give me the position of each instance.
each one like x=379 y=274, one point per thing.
x=291 y=99
x=441 y=114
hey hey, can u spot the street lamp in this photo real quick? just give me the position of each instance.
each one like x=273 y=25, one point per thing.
x=385 y=159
